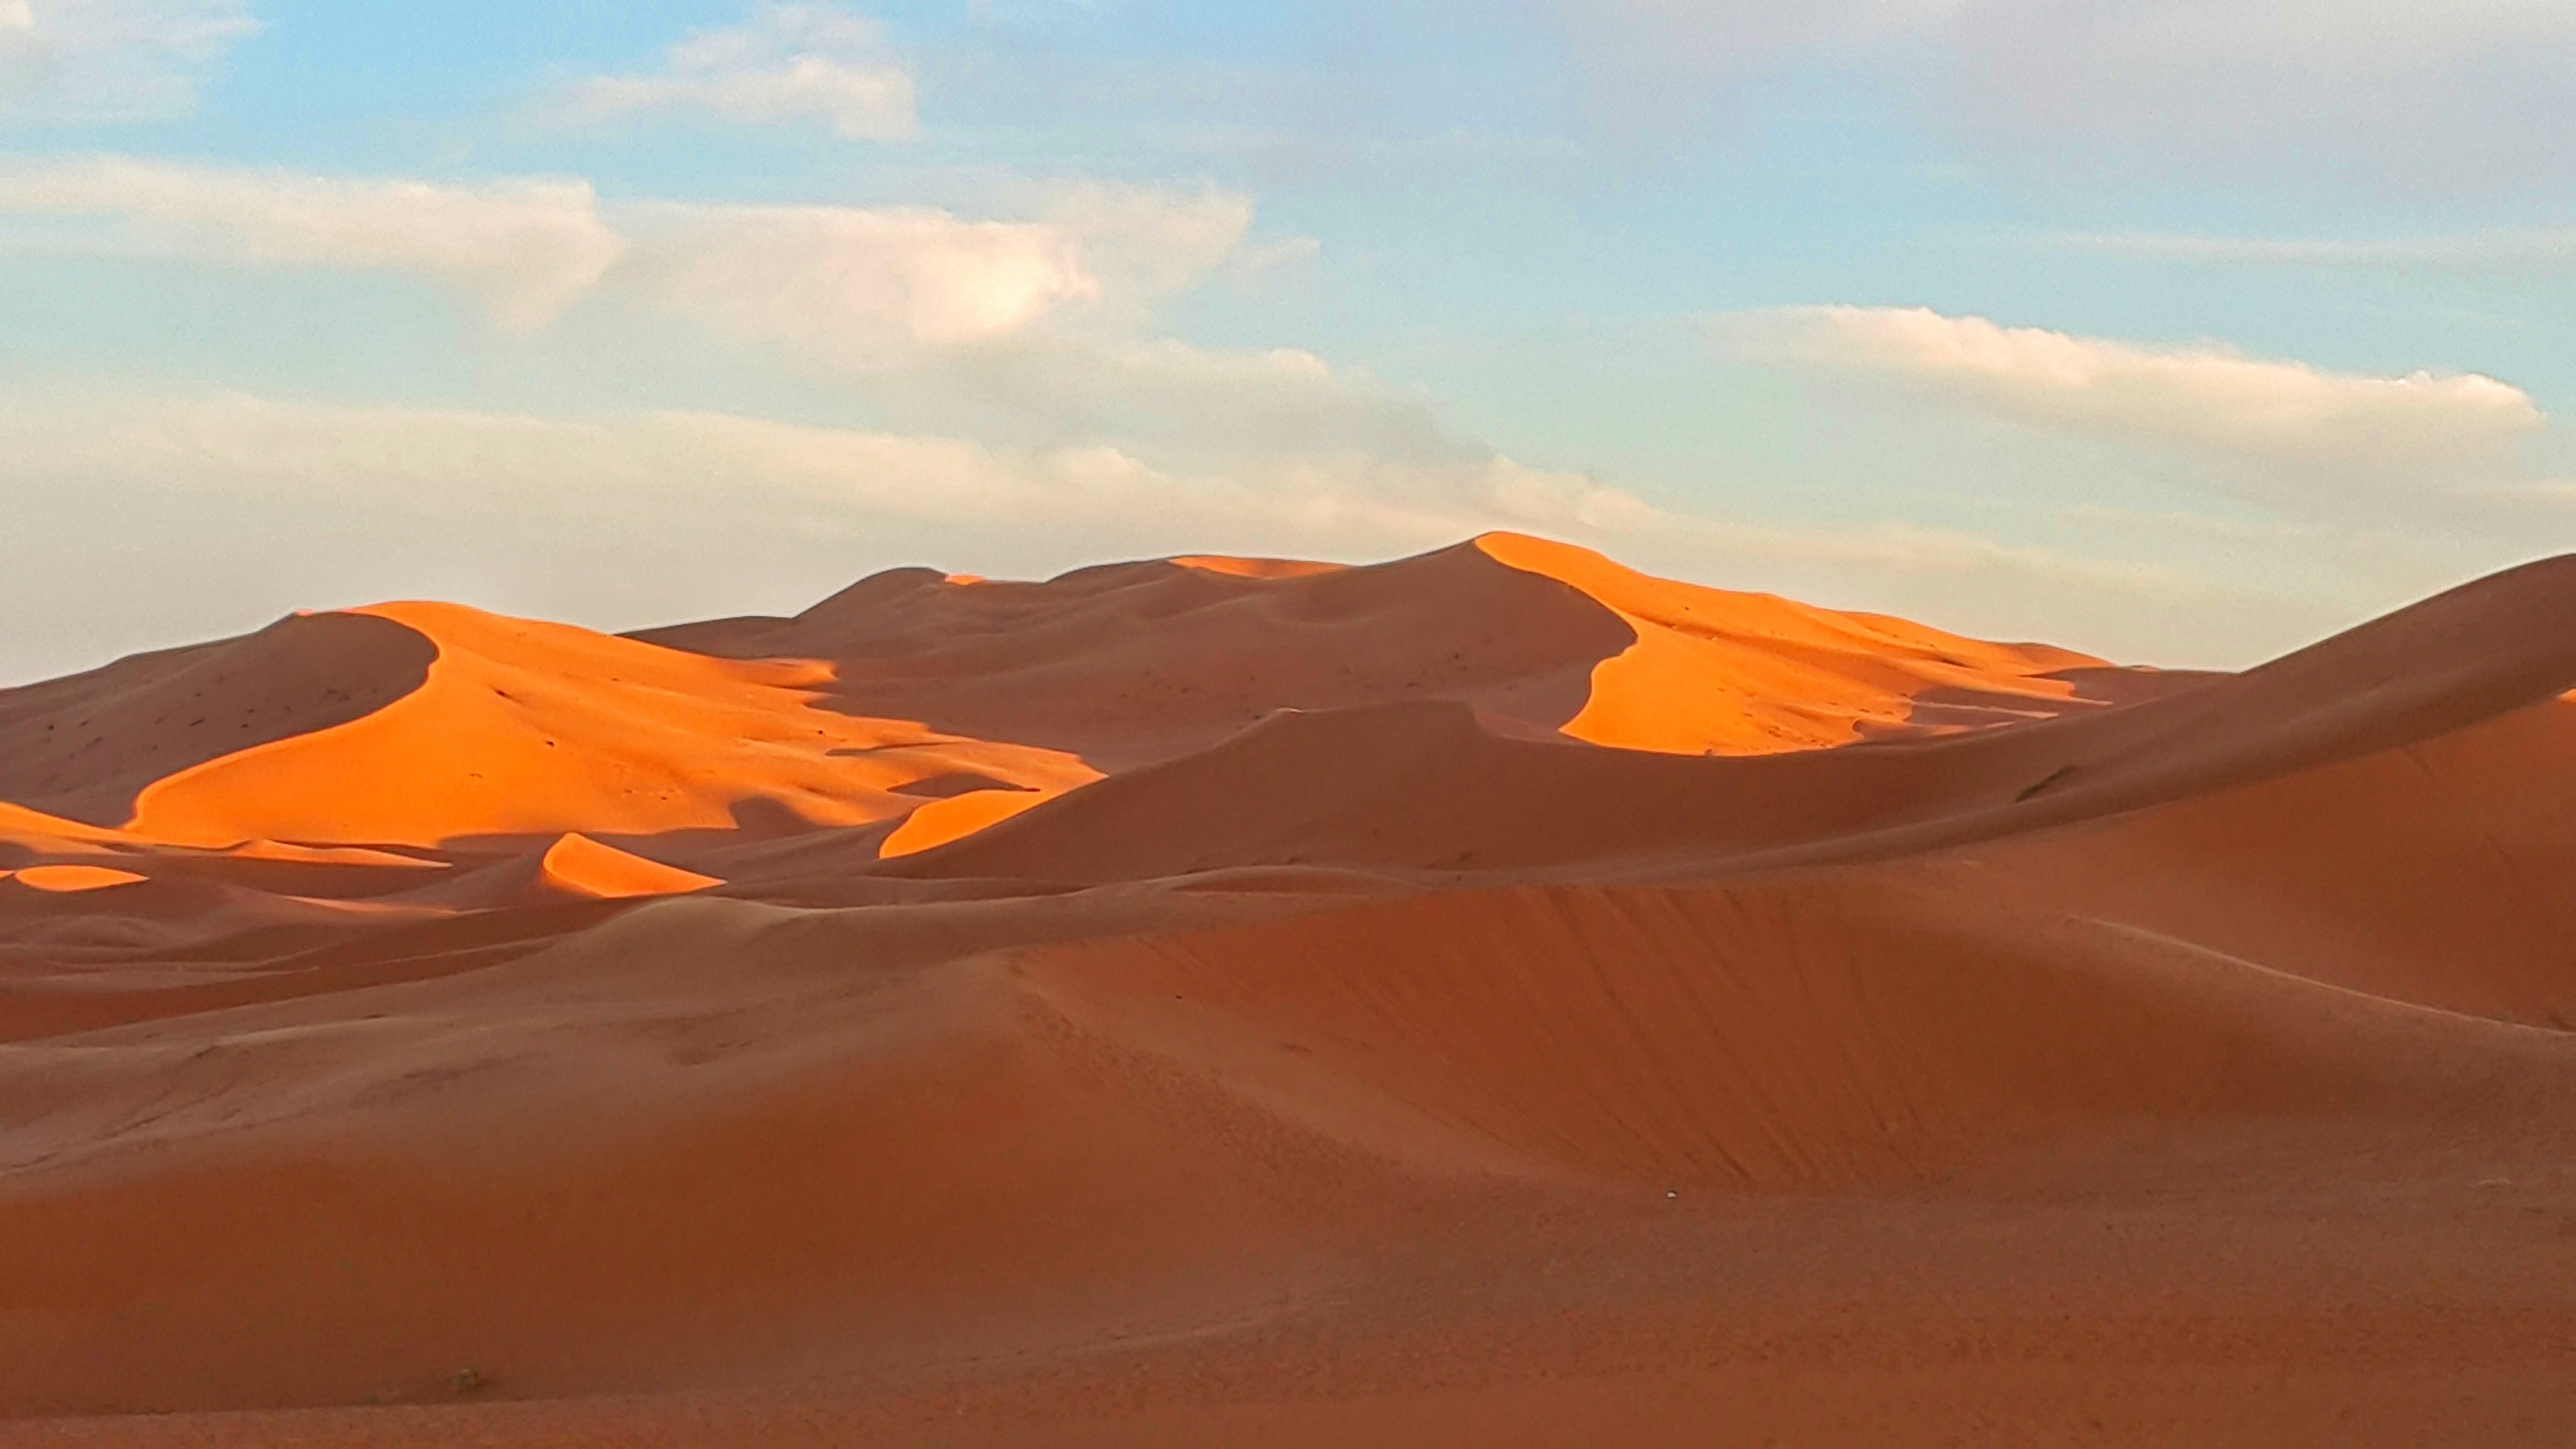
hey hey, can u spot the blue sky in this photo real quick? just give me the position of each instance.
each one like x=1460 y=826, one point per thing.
x=2180 y=331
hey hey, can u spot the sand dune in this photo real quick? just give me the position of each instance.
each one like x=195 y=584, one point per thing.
x=523 y=728
x=1726 y=673
x=1489 y=994
x=1136 y=662
x=84 y=747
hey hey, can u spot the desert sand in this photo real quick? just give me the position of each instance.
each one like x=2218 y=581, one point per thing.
x=1489 y=998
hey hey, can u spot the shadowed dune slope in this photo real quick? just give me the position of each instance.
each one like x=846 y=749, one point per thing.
x=675 y=1147
x=1848 y=1028
x=694 y=1142
x=2436 y=872
x=1131 y=663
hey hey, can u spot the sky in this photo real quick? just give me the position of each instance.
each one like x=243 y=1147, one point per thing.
x=2179 y=331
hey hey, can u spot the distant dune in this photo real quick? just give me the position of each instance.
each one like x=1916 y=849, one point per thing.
x=1489 y=997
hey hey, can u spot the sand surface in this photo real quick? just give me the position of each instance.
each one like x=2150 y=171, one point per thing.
x=1492 y=997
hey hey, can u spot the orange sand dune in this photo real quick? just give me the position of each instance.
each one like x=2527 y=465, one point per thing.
x=1130 y=663
x=83 y=747
x=1728 y=673
x=527 y=728
x=1487 y=997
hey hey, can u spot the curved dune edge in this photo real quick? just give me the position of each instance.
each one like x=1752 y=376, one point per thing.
x=957 y=817
x=281 y=850
x=526 y=728
x=1718 y=672
x=1254 y=568
x=73 y=879
x=578 y=865
x=84 y=746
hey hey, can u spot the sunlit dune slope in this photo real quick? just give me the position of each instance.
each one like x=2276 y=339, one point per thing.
x=577 y=865
x=83 y=747
x=530 y=728
x=1733 y=673
x=65 y=879
x=1130 y=663
x=29 y=835
x=570 y=867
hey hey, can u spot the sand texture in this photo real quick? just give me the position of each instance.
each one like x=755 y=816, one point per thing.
x=1488 y=998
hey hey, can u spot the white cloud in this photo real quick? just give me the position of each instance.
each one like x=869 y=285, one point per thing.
x=112 y=60
x=790 y=62
x=1024 y=329
x=1147 y=242
x=523 y=249
x=863 y=286
x=2202 y=398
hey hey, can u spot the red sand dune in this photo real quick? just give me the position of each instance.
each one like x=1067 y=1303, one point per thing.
x=1489 y=997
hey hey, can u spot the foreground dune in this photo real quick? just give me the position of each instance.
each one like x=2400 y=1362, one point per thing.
x=1490 y=997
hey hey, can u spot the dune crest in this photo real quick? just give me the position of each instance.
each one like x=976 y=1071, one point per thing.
x=578 y=865
x=956 y=817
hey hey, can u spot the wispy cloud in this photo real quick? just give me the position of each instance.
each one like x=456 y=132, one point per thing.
x=789 y=62
x=523 y=249
x=112 y=60
x=2205 y=398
